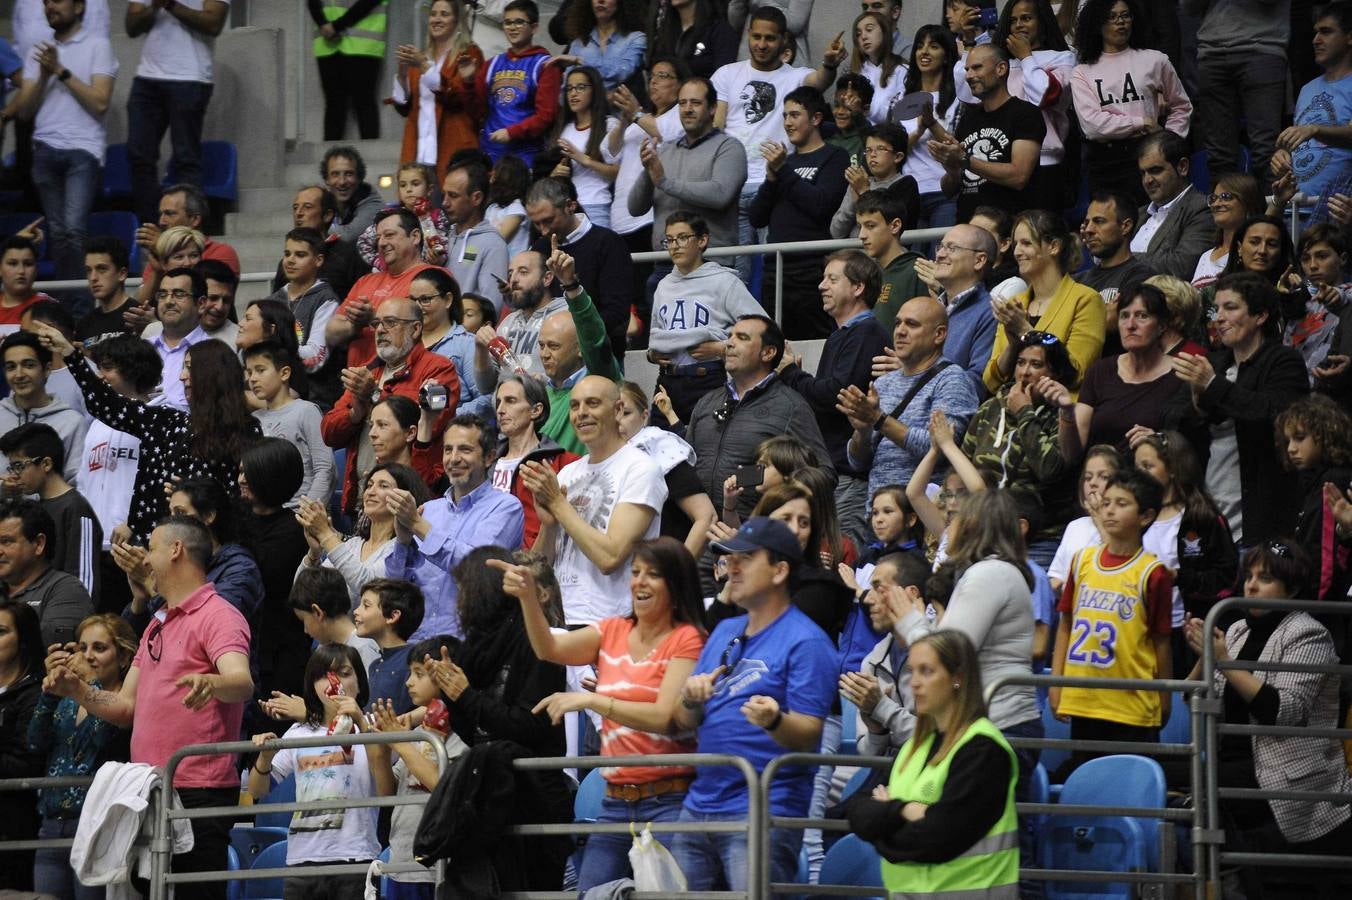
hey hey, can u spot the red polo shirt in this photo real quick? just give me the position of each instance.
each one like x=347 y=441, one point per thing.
x=189 y=641
x=376 y=287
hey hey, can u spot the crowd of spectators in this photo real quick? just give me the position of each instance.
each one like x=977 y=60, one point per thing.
x=407 y=485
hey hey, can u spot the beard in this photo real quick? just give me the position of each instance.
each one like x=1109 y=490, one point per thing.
x=526 y=298
x=392 y=354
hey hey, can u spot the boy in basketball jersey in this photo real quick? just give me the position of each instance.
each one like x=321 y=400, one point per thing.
x=518 y=90
x=1115 y=622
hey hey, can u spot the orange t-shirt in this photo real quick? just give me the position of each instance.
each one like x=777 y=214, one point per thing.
x=620 y=676
x=377 y=287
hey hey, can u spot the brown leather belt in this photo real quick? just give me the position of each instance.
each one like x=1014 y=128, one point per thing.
x=636 y=792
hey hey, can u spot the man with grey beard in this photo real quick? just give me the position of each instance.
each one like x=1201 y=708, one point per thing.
x=402 y=366
x=527 y=293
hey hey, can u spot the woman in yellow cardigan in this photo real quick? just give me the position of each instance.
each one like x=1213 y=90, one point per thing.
x=1046 y=251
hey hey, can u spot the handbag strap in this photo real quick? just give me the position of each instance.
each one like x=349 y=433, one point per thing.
x=919 y=386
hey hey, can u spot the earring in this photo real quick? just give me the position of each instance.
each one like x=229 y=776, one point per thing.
x=956 y=685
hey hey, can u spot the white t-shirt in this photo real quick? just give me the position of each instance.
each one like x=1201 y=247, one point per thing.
x=503 y=471
x=328 y=773
x=627 y=476
x=61 y=122
x=756 y=108
x=920 y=164
x=1208 y=270
x=107 y=476
x=883 y=96
x=1079 y=534
x=592 y=189
x=520 y=241
x=631 y=167
x=1161 y=539
x=429 y=86
x=404 y=820
x=174 y=52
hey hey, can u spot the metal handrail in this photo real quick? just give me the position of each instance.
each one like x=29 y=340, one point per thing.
x=755 y=818
x=1213 y=727
x=161 y=848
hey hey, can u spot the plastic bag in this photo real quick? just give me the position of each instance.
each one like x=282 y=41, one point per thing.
x=654 y=867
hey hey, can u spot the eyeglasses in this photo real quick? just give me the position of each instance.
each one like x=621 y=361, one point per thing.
x=1220 y=197
x=728 y=661
x=950 y=496
x=515 y=23
x=217 y=298
x=425 y=299
x=578 y=88
x=1119 y=17
x=661 y=76
x=677 y=240
x=948 y=247
x=1275 y=547
x=154 y=642
x=1041 y=338
x=18 y=465
x=389 y=323
x=176 y=293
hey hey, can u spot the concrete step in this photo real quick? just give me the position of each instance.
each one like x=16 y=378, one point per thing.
x=383 y=150
x=260 y=224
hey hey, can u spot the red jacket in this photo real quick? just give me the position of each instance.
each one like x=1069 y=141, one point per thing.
x=340 y=431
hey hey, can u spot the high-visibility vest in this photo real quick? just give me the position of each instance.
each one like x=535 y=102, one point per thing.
x=989 y=869
x=365 y=38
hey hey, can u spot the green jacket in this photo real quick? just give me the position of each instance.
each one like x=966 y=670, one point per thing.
x=900 y=283
x=597 y=359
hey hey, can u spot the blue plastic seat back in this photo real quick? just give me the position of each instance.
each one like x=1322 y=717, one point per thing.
x=853 y=861
x=272 y=857
x=1178 y=730
x=1104 y=843
x=1053 y=728
x=849 y=723
x=384 y=879
x=590 y=793
x=250 y=841
x=220 y=178
x=283 y=791
x=857 y=780
x=234 y=890
x=116 y=173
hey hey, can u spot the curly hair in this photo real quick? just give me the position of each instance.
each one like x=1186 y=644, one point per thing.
x=1320 y=418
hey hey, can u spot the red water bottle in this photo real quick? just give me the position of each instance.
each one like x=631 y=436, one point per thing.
x=502 y=354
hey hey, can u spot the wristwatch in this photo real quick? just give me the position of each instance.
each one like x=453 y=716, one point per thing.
x=64 y=76
x=570 y=287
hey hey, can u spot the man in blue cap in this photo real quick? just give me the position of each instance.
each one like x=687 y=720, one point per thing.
x=762 y=688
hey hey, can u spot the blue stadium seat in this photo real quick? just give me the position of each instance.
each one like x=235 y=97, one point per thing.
x=849 y=722
x=121 y=225
x=384 y=879
x=590 y=793
x=283 y=791
x=1054 y=729
x=220 y=173
x=272 y=857
x=1105 y=843
x=116 y=173
x=852 y=861
x=249 y=841
x=234 y=890
x=1178 y=730
x=857 y=781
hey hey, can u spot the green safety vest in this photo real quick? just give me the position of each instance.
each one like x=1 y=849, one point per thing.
x=989 y=869
x=365 y=38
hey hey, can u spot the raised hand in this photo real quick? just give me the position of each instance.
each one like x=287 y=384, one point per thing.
x=556 y=706
x=517 y=581
x=560 y=263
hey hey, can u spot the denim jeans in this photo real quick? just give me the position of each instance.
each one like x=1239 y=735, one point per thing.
x=714 y=861
x=821 y=790
x=66 y=181
x=1028 y=757
x=606 y=856
x=52 y=872
x=746 y=235
x=154 y=107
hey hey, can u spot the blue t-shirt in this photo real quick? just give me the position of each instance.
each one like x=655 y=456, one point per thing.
x=1317 y=165
x=389 y=676
x=792 y=661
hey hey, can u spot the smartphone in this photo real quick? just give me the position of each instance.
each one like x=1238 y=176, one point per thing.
x=750 y=476
x=502 y=285
x=990 y=16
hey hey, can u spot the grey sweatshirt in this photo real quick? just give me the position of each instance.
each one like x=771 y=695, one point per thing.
x=69 y=424
x=475 y=256
x=691 y=309
x=843 y=224
x=993 y=606
x=298 y=422
x=1242 y=26
x=706 y=179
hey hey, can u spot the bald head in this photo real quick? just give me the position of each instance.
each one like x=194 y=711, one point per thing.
x=918 y=337
x=560 y=355
x=987 y=71
x=593 y=411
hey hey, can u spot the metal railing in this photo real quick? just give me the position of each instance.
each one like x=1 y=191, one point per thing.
x=161 y=874
x=1214 y=727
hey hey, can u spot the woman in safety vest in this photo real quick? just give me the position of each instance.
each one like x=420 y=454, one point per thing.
x=945 y=822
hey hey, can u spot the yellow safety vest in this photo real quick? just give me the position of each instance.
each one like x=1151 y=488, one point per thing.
x=989 y=869
x=365 y=38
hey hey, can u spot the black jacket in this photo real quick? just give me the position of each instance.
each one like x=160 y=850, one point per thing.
x=19 y=809
x=1268 y=382
x=479 y=798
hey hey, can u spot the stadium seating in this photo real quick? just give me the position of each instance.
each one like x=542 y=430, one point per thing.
x=852 y=861
x=272 y=857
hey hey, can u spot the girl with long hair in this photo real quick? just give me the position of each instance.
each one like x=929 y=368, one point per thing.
x=694 y=32
x=206 y=441
x=434 y=89
x=959 y=751
x=873 y=58
x=1100 y=463
x=22 y=651
x=1314 y=440
x=641 y=661
x=578 y=134
x=606 y=36
x=933 y=56
x=1234 y=198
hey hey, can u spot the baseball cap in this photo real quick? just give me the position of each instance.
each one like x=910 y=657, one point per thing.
x=762 y=533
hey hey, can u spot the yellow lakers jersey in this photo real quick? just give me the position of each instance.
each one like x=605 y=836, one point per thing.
x=1110 y=638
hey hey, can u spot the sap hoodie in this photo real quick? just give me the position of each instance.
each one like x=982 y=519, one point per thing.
x=691 y=309
x=68 y=423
